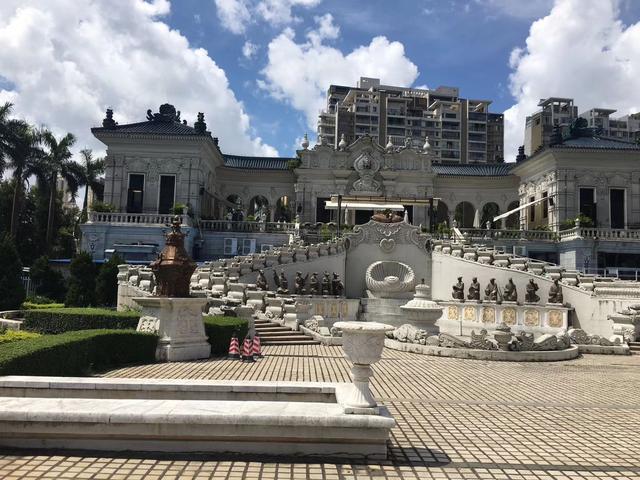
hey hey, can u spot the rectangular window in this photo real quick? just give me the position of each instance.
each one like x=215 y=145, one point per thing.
x=545 y=205
x=166 y=199
x=532 y=210
x=135 y=193
x=322 y=214
x=588 y=203
x=617 y=207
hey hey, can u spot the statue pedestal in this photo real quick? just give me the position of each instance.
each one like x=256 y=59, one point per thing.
x=178 y=322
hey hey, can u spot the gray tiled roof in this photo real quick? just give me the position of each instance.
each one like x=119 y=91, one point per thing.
x=151 y=127
x=257 y=163
x=598 y=143
x=471 y=170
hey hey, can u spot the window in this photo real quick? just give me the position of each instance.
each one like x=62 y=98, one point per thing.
x=532 y=210
x=166 y=198
x=617 y=207
x=545 y=205
x=230 y=246
x=135 y=193
x=588 y=203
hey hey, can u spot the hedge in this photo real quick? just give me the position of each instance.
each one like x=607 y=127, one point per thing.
x=60 y=320
x=77 y=353
x=15 y=335
x=40 y=306
x=220 y=329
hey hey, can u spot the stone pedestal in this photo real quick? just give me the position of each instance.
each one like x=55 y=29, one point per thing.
x=178 y=322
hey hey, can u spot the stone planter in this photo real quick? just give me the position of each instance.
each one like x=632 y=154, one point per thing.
x=519 y=264
x=456 y=251
x=313 y=252
x=469 y=253
x=570 y=277
x=553 y=271
x=485 y=257
x=323 y=249
x=362 y=343
x=421 y=311
x=501 y=259
x=255 y=299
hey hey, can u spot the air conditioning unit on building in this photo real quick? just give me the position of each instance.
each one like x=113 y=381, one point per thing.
x=519 y=250
x=230 y=246
x=248 y=246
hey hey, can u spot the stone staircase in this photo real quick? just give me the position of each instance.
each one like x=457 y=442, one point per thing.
x=272 y=333
x=634 y=348
x=384 y=310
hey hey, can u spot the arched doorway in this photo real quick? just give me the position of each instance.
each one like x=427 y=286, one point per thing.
x=259 y=208
x=513 y=220
x=283 y=209
x=441 y=215
x=489 y=211
x=464 y=215
x=234 y=209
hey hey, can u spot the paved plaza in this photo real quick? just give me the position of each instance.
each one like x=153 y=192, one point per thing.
x=457 y=419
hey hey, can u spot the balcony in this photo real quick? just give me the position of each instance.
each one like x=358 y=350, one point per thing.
x=251 y=227
x=137 y=218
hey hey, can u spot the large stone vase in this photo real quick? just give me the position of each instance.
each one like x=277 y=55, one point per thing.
x=362 y=343
x=422 y=312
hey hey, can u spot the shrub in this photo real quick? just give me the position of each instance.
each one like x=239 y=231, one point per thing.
x=220 y=329
x=82 y=284
x=107 y=282
x=59 y=320
x=28 y=305
x=14 y=335
x=102 y=207
x=48 y=282
x=11 y=289
x=76 y=353
x=178 y=209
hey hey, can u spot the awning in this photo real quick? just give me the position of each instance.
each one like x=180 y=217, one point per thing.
x=517 y=209
x=329 y=205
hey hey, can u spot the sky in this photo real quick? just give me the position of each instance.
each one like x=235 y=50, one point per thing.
x=259 y=69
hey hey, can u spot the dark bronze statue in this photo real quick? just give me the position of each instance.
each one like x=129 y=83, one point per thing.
x=474 y=290
x=555 y=293
x=300 y=284
x=261 y=282
x=326 y=284
x=281 y=282
x=531 y=296
x=314 y=284
x=458 y=290
x=491 y=292
x=174 y=267
x=336 y=285
x=510 y=293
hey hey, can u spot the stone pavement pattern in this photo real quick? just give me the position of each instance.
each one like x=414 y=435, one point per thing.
x=457 y=419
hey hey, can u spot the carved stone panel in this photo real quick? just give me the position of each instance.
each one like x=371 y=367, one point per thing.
x=531 y=318
x=469 y=313
x=509 y=316
x=556 y=319
x=488 y=315
x=453 y=312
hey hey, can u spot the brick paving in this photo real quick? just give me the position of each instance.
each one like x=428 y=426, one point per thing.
x=457 y=419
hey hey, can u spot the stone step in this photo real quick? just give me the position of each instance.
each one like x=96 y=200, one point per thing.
x=286 y=333
x=273 y=328
x=306 y=341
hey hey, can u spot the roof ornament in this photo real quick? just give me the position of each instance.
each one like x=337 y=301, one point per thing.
x=521 y=156
x=200 y=126
x=319 y=140
x=426 y=148
x=167 y=113
x=389 y=147
x=108 y=121
x=305 y=142
x=342 y=144
x=556 y=136
x=408 y=143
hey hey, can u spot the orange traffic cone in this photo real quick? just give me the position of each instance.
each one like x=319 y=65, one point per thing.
x=234 y=348
x=247 y=350
x=257 y=349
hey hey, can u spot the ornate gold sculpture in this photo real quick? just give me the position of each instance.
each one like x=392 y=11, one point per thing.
x=174 y=267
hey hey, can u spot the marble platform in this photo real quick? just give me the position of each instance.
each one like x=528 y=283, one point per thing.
x=189 y=416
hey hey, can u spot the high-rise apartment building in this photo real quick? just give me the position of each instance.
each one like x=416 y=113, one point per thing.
x=624 y=128
x=459 y=130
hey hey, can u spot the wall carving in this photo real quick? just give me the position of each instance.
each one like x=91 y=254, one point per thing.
x=376 y=232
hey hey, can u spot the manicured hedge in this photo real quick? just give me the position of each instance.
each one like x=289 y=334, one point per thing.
x=15 y=335
x=40 y=306
x=60 y=320
x=77 y=353
x=220 y=329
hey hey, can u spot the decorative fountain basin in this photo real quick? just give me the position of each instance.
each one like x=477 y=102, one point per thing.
x=421 y=311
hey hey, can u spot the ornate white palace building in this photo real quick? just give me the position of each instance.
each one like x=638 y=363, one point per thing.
x=237 y=204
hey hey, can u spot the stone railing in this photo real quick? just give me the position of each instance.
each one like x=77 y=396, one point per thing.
x=605 y=234
x=257 y=227
x=137 y=218
x=496 y=234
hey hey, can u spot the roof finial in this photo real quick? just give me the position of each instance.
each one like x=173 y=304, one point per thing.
x=305 y=142
x=200 y=126
x=426 y=148
x=389 y=146
x=342 y=144
x=108 y=121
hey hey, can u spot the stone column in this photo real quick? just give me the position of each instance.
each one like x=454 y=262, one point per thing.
x=503 y=223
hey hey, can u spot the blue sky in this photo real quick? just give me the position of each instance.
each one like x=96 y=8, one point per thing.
x=258 y=68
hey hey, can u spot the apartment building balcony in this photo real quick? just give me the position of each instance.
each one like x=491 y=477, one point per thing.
x=477 y=117
x=477 y=146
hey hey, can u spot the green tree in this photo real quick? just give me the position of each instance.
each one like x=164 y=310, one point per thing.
x=107 y=282
x=11 y=289
x=93 y=170
x=82 y=282
x=59 y=163
x=48 y=282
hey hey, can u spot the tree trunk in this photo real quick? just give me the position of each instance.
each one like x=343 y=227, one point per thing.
x=85 y=210
x=52 y=204
x=17 y=197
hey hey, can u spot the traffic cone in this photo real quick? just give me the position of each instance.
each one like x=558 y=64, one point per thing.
x=257 y=349
x=247 y=350
x=234 y=348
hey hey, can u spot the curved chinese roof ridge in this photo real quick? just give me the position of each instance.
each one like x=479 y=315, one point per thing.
x=597 y=143
x=473 y=170
x=257 y=163
x=151 y=127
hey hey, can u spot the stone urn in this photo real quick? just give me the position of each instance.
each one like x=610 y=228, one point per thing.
x=362 y=343
x=422 y=312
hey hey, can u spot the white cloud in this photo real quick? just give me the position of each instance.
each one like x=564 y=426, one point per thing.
x=67 y=60
x=327 y=30
x=580 y=50
x=249 y=50
x=236 y=15
x=300 y=73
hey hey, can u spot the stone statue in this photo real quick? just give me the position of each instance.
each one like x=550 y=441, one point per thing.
x=510 y=293
x=458 y=290
x=555 y=293
x=491 y=292
x=261 y=282
x=300 y=284
x=531 y=296
x=336 y=285
x=326 y=284
x=281 y=282
x=474 y=289
x=314 y=284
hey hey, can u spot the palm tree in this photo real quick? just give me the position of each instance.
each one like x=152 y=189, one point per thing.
x=59 y=162
x=93 y=169
x=5 y=129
